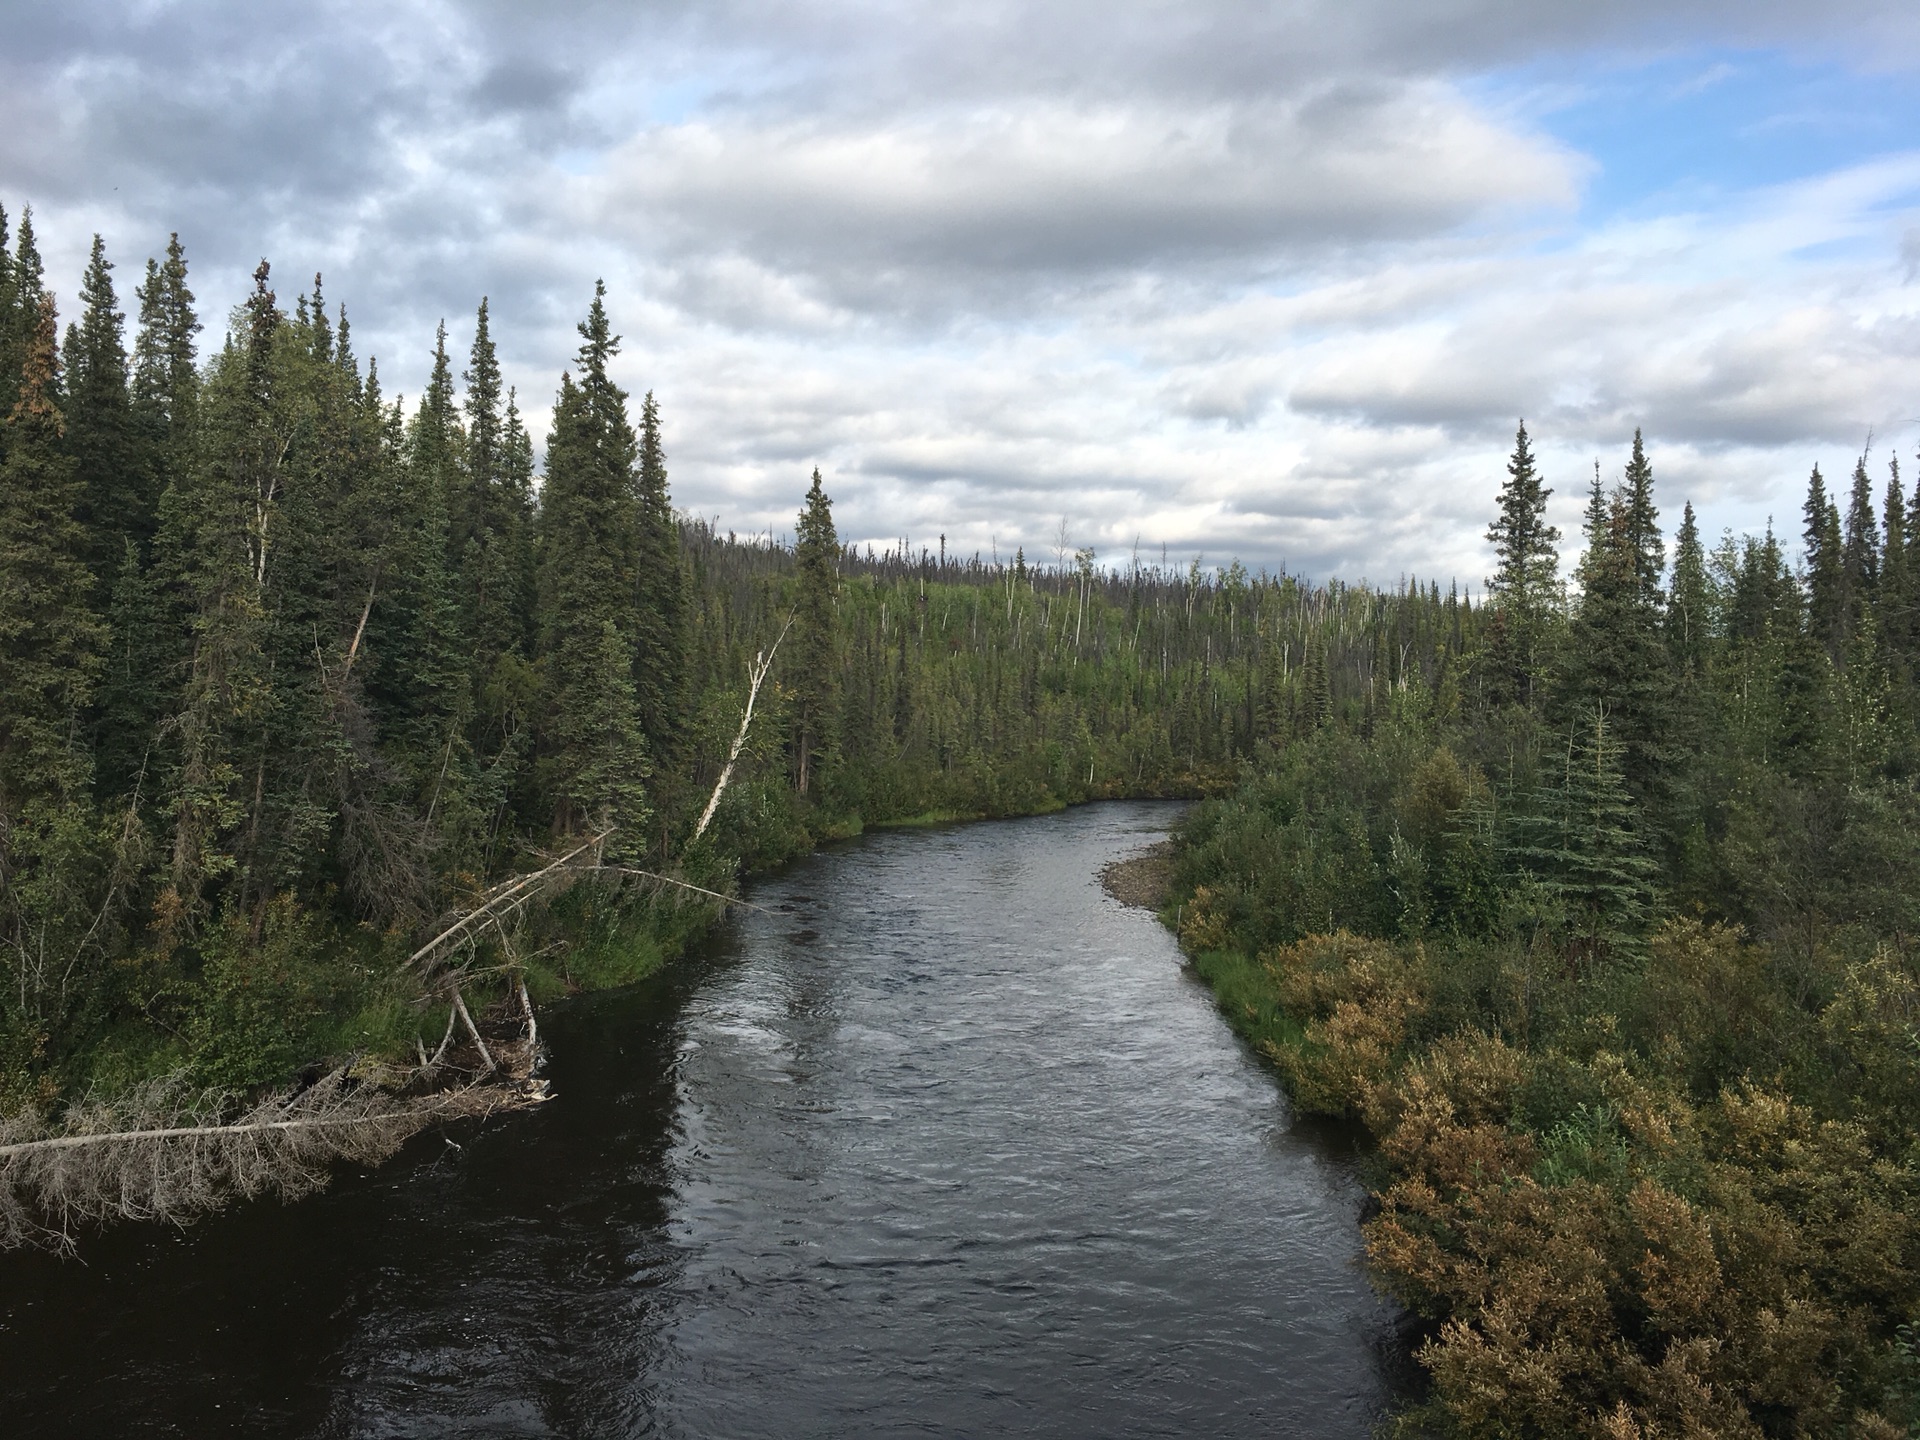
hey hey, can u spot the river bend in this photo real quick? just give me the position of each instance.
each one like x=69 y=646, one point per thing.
x=945 y=1142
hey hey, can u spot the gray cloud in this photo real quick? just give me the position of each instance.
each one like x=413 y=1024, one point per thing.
x=1224 y=274
x=1075 y=192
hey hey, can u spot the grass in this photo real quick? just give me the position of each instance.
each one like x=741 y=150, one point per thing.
x=1245 y=994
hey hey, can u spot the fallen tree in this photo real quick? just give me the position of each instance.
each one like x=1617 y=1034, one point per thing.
x=167 y=1151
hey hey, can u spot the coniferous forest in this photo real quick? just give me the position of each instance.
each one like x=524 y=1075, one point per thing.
x=295 y=670
x=1594 y=903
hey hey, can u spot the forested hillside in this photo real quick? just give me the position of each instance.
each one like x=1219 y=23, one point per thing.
x=1609 y=939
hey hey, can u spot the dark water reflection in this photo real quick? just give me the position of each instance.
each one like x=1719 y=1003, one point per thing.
x=945 y=1144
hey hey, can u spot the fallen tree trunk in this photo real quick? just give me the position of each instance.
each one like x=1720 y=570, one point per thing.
x=157 y=1153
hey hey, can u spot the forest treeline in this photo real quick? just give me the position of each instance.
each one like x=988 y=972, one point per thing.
x=1603 y=922
x=291 y=671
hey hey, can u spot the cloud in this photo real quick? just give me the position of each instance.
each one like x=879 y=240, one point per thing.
x=1255 y=279
x=1076 y=192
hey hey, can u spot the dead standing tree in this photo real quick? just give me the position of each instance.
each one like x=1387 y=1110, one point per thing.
x=756 y=676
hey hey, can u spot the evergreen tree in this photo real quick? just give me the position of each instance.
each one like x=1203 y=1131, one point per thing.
x=118 y=499
x=1583 y=843
x=1689 y=608
x=10 y=359
x=426 y=662
x=816 y=670
x=165 y=379
x=1825 y=571
x=1316 y=708
x=494 y=551
x=1897 y=579
x=1860 y=551
x=1524 y=588
x=224 y=514
x=1614 y=657
x=593 y=749
x=516 y=479
x=1643 y=526
x=50 y=643
x=660 y=661
x=22 y=289
x=148 y=609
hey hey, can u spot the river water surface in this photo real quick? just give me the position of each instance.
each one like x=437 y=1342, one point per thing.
x=945 y=1142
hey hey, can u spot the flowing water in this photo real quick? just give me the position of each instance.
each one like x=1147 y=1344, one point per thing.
x=945 y=1142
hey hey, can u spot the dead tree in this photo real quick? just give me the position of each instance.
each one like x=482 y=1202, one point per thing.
x=756 y=676
x=167 y=1152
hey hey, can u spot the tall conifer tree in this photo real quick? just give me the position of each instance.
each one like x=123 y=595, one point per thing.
x=1615 y=656
x=25 y=289
x=660 y=662
x=594 y=759
x=166 y=381
x=1897 y=578
x=1689 y=607
x=428 y=686
x=1643 y=525
x=1825 y=571
x=1524 y=587
x=118 y=501
x=227 y=507
x=816 y=669
x=495 y=565
x=50 y=643
x=1860 y=550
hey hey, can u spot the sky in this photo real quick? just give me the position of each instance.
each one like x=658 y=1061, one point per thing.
x=1268 y=282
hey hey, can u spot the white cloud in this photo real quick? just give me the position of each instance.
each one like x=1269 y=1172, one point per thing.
x=1254 y=279
x=1076 y=191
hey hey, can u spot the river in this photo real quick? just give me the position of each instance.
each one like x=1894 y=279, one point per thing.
x=944 y=1141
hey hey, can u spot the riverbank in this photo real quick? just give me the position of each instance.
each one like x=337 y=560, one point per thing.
x=938 y=1135
x=1144 y=880
x=337 y=1003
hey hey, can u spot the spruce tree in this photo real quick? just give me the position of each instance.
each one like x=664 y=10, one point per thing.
x=493 y=550
x=1897 y=579
x=593 y=759
x=25 y=289
x=1583 y=842
x=516 y=481
x=1524 y=587
x=165 y=379
x=1316 y=686
x=148 y=610
x=50 y=642
x=1859 y=551
x=225 y=516
x=815 y=665
x=660 y=661
x=1643 y=525
x=49 y=634
x=9 y=287
x=118 y=500
x=1825 y=572
x=427 y=688
x=10 y=351
x=1615 y=654
x=1689 y=607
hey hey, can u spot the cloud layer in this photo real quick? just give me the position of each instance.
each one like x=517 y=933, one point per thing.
x=1260 y=280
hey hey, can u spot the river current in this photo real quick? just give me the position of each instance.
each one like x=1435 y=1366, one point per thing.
x=943 y=1141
